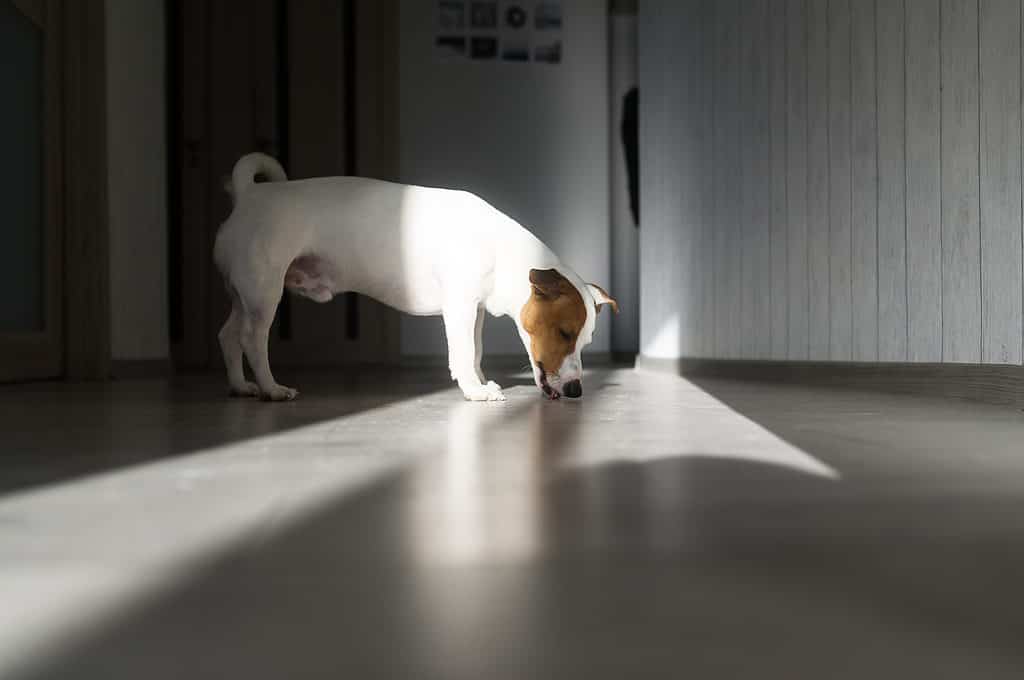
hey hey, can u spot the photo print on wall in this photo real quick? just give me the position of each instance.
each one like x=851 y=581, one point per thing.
x=451 y=15
x=483 y=47
x=515 y=50
x=515 y=16
x=451 y=45
x=550 y=53
x=483 y=15
x=500 y=30
x=548 y=16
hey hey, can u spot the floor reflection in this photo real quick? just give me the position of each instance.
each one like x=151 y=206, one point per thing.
x=648 y=526
x=477 y=499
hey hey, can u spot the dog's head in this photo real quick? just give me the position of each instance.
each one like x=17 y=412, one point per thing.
x=557 y=322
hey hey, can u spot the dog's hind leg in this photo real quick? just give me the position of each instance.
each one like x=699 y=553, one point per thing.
x=478 y=338
x=257 y=315
x=230 y=338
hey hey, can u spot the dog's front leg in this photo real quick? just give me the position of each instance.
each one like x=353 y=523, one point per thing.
x=460 y=320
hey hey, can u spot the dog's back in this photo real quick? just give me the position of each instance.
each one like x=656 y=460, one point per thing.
x=390 y=241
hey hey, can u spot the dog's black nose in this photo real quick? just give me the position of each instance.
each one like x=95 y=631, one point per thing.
x=573 y=389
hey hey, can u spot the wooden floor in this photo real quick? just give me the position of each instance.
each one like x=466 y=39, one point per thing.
x=381 y=527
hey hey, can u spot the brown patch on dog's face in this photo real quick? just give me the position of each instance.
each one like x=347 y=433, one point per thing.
x=553 y=316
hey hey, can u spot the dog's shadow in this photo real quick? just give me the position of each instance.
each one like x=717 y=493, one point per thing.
x=506 y=380
x=509 y=376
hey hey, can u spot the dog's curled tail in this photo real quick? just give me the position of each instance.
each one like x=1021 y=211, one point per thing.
x=248 y=166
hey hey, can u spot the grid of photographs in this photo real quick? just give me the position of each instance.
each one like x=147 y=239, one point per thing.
x=500 y=30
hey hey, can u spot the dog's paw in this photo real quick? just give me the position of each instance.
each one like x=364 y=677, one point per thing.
x=248 y=389
x=279 y=393
x=489 y=392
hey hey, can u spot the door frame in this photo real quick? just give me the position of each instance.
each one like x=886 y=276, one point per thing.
x=39 y=354
x=86 y=225
x=76 y=341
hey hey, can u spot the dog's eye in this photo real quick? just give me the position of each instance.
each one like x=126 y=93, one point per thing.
x=565 y=335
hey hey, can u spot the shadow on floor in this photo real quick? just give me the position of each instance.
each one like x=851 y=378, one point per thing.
x=493 y=557
x=55 y=431
x=565 y=585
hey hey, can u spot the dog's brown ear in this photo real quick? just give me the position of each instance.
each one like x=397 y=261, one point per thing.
x=547 y=283
x=602 y=298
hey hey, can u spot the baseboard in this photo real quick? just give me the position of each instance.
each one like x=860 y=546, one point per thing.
x=620 y=358
x=977 y=382
x=129 y=369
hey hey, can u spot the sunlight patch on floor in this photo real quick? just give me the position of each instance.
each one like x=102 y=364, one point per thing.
x=79 y=551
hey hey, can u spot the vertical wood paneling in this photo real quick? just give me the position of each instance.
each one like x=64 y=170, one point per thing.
x=763 y=141
x=924 y=236
x=864 y=222
x=892 y=179
x=727 y=245
x=707 y=185
x=1000 y=69
x=748 y=178
x=756 y=172
x=693 y=170
x=840 y=299
x=731 y=152
x=721 y=196
x=857 y=166
x=818 y=177
x=778 y=265
x=668 y=219
x=671 y=215
x=667 y=249
x=652 y=117
x=961 y=230
x=798 y=342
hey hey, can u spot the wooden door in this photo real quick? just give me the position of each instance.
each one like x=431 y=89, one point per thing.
x=30 y=190
x=277 y=77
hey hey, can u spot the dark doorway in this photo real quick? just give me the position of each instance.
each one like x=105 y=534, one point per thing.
x=291 y=80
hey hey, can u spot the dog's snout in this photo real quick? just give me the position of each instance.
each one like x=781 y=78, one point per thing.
x=573 y=389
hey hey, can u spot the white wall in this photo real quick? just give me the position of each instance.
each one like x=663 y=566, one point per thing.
x=137 y=168
x=531 y=138
x=832 y=180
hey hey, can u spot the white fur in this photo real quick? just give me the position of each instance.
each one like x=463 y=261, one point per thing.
x=421 y=250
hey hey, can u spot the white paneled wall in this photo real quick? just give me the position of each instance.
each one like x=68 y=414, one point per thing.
x=831 y=180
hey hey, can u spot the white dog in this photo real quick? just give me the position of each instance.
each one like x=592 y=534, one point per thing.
x=421 y=250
